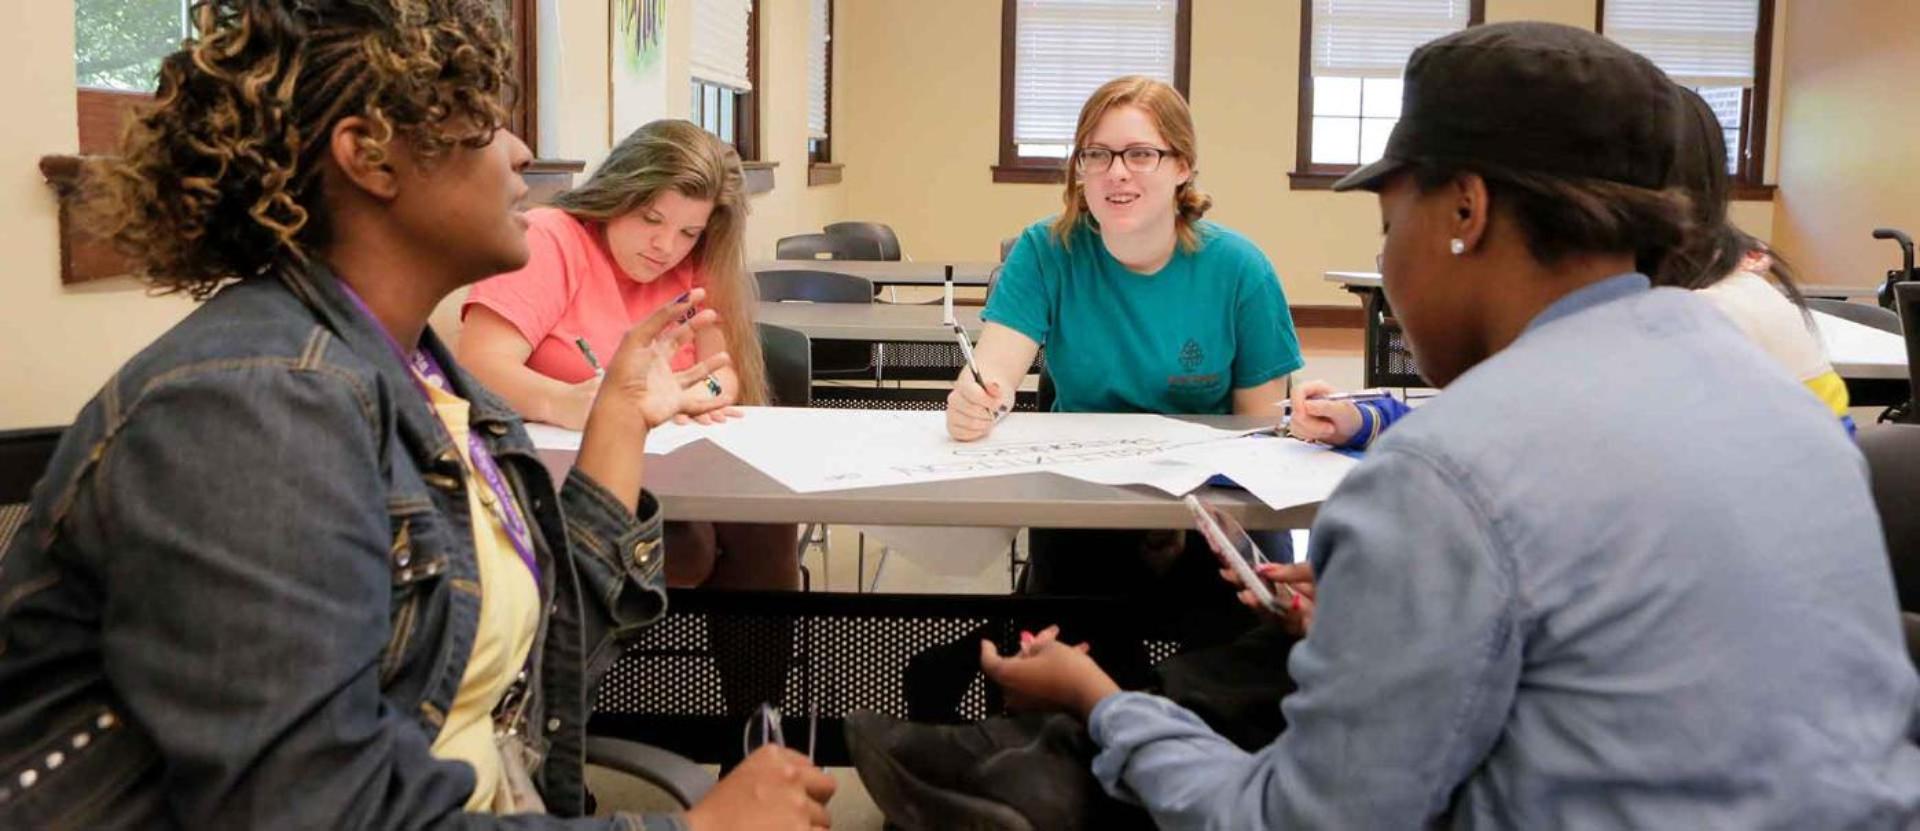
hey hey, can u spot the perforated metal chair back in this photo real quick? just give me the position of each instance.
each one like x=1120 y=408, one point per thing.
x=1389 y=354
x=865 y=240
x=1861 y=313
x=910 y=656
x=810 y=247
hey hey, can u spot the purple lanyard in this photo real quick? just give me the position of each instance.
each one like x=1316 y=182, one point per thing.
x=426 y=367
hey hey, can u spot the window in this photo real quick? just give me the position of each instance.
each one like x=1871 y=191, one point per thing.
x=1721 y=49
x=1352 y=54
x=725 y=70
x=1055 y=53
x=821 y=169
x=118 y=45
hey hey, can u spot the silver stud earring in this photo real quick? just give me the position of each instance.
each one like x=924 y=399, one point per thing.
x=1457 y=245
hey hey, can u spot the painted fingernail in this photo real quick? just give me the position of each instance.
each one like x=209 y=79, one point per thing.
x=682 y=298
x=1295 y=605
x=1026 y=638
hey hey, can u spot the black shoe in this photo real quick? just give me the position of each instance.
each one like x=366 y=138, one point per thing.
x=1018 y=773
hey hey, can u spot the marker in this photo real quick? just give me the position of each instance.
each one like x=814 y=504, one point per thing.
x=966 y=351
x=591 y=360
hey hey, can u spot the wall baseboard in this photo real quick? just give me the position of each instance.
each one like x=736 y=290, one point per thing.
x=1329 y=317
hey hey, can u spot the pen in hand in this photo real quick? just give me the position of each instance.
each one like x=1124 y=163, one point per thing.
x=966 y=351
x=592 y=360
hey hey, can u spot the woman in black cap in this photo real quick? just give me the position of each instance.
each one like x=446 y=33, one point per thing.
x=1541 y=605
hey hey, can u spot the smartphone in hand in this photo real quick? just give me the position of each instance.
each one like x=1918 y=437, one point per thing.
x=1234 y=547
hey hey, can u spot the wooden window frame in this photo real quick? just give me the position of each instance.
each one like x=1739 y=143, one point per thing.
x=1046 y=170
x=1749 y=177
x=821 y=168
x=102 y=116
x=1307 y=175
x=103 y=113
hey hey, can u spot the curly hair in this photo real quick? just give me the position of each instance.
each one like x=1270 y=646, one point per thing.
x=220 y=175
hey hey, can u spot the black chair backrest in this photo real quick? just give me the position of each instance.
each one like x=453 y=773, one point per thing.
x=811 y=247
x=789 y=355
x=1893 y=458
x=866 y=240
x=23 y=458
x=1860 y=313
x=1907 y=300
x=813 y=286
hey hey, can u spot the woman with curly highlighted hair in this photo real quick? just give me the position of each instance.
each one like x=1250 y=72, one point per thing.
x=292 y=567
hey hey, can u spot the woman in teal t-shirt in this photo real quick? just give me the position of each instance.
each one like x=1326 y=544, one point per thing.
x=1143 y=308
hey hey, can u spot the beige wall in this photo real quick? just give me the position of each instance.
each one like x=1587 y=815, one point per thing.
x=57 y=345
x=1848 y=162
x=793 y=207
x=919 y=130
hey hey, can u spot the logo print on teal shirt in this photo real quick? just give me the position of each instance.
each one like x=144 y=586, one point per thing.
x=1191 y=356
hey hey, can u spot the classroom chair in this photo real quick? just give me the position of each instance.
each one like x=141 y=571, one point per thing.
x=1893 y=462
x=908 y=656
x=832 y=360
x=865 y=240
x=810 y=247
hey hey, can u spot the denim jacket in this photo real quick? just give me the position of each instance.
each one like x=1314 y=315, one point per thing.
x=246 y=591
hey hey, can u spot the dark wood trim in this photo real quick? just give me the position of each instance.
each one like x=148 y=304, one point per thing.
x=103 y=117
x=759 y=176
x=1599 y=17
x=823 y=173
x=1303 y=132
x=1014 y=168
x=1743 y=192
x=822 y=154
x=1329 y=317
x=523 y=117
x=1031 y=173
x=746 y=106
x=1753 y=134
x=1306 y=175
x=83 y=257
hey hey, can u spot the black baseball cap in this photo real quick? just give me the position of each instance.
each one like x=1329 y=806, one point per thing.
x=1532 y=97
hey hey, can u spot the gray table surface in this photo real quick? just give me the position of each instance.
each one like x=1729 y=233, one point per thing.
x=1371 y=280
x=894 y=272
x=701 y=482
x=871 y=322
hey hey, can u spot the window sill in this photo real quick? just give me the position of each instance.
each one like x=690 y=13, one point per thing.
x=1753 y=193
x=546 y=178
x=1026 y=174
x=823 y=173
x=759 y=176
x=83 y=257
x=1315 y=179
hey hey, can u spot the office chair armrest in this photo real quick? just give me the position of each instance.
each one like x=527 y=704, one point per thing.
x=679 y=776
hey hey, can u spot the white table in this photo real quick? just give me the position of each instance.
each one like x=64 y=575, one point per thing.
x=1858 y=353
x=894 y=272
x=871 y=322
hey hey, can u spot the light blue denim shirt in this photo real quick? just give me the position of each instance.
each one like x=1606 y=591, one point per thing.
x=1542 y=606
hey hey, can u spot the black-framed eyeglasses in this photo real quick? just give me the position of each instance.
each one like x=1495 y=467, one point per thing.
x=1139 y=159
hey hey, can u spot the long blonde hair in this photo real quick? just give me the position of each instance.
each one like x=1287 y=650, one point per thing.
x=676 y=154
x=1168 y=109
